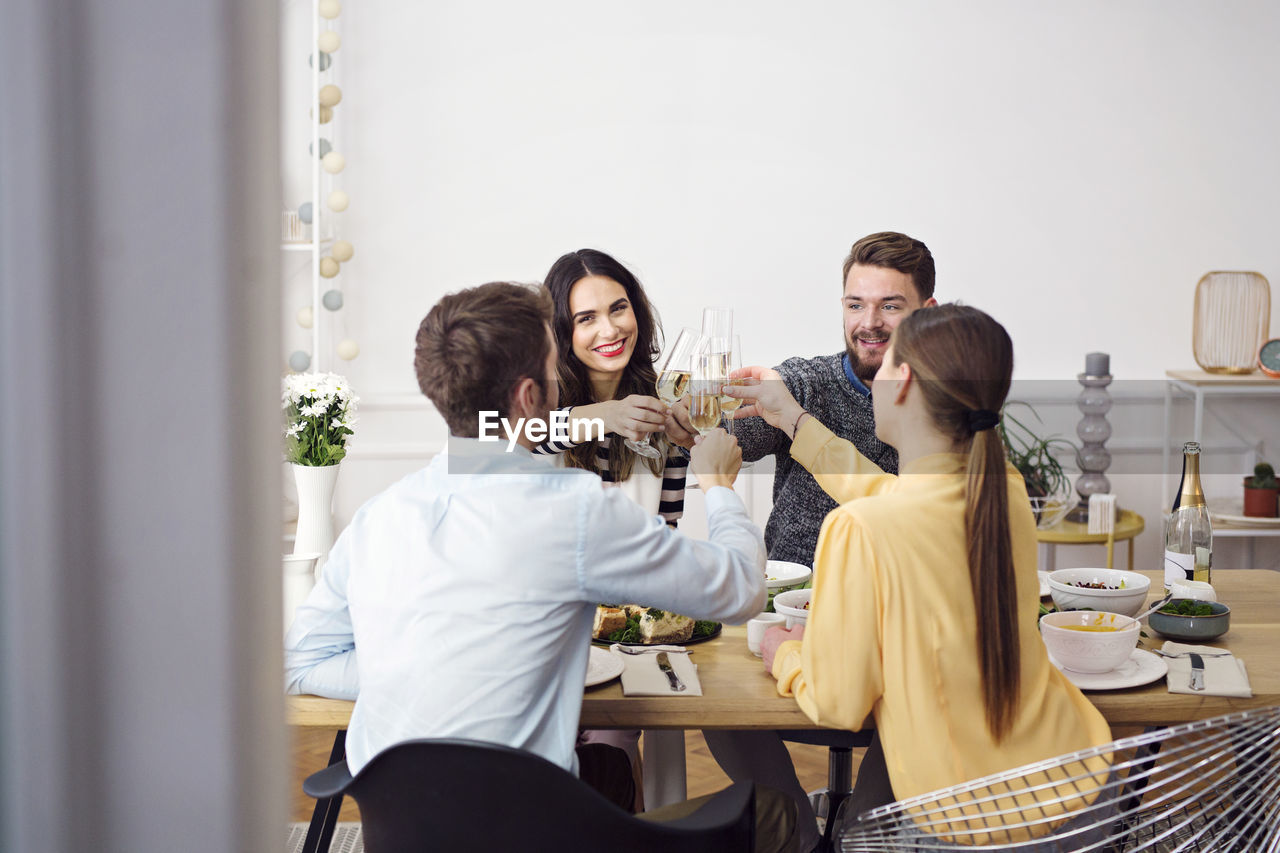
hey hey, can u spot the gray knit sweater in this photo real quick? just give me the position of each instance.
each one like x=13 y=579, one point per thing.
x=799 y=503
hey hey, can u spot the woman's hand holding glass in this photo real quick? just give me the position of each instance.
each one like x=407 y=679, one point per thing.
x=764 y=394
x=635 y=418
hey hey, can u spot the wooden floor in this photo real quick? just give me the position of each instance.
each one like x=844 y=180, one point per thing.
x=311 y=752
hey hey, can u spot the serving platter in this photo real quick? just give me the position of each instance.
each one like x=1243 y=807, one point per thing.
x=715 y=632
x=1141 y=668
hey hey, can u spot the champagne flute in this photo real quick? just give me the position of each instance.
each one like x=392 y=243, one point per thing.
x=730 y=404
x=674 y=371
x=676 y=367
x=708 y=376
x=717 y=328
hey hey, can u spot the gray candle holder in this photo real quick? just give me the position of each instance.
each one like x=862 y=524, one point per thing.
x=1093 y=430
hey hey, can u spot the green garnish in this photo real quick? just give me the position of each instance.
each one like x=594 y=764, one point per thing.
x=704 y=627
x=629 y=634
x=1187 y=607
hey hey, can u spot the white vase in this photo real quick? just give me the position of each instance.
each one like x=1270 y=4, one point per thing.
x=315 y=510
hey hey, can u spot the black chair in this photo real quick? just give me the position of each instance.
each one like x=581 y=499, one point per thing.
x=450 y=794
x=826 y=801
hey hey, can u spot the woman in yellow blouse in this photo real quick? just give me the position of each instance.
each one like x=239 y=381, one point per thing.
x=925 y=584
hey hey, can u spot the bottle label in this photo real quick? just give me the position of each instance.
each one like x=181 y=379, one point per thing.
x=1177 y=567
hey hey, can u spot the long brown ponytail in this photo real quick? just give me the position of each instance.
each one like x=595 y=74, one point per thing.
x=963 y=362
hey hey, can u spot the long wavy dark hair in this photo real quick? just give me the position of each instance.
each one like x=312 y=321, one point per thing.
x=963 y=360
x=639 y=375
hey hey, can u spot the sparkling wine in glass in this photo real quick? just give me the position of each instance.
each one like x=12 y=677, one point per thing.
x=705 y=411
x=708 y=375
x=676 y=367
x=674 y=371
x=733 y=362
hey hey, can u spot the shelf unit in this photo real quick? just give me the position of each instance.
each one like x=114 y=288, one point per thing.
x=1199 y=386
x=322 y=231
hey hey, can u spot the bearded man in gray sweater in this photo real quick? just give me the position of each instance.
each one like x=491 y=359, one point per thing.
x=887 y=275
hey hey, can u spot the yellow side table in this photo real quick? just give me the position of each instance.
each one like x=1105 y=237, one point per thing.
x=1128 y=525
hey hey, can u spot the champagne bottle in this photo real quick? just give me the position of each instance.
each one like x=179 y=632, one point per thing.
x=1177 y=496
x=1188 y=534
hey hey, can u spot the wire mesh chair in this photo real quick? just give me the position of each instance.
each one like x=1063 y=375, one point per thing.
x=1208 y=785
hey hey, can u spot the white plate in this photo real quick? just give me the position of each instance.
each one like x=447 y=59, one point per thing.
x=779 y=574
x=1044 y=584
x=602 y=666
x=1231 y=511
x=1141 y=668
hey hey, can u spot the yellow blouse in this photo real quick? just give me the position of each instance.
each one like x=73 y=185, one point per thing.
x=892 y=632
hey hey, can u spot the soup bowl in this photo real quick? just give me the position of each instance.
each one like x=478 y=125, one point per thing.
x=1088 y=640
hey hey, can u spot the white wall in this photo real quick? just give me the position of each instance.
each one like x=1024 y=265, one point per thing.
x=1075 y=168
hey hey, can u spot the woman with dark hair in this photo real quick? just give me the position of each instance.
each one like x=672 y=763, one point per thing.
x=607 y=336
x=925 y=585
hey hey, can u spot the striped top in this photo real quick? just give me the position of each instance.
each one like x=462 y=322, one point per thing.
x=674 y=472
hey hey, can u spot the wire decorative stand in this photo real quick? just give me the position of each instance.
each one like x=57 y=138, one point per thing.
x=1051 y=509
x=1211 y=785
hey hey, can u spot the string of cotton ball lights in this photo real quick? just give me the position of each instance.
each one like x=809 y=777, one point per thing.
x=329 y=266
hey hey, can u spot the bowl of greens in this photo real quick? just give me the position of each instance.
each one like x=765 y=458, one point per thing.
x=1111 y=590
x=780 y=576
x=1190 y=620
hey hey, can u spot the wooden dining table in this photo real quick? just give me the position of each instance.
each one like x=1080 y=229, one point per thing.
x=738 y=694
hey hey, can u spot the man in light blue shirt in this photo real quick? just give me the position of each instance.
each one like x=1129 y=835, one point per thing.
x=469 y=587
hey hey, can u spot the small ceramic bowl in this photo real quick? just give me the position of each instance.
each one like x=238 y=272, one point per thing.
x=1074 y=640
x=1192 y=629
x=1127 y=597
x=793 y=604
x=779 y=574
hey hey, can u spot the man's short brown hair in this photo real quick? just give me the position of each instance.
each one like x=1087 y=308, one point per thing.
x=475 y=346
x=895 y=251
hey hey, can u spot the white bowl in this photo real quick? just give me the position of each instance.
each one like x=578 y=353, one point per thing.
x=1128 y=597
x=779 y=574
x=792 y=604
x=1089 y=651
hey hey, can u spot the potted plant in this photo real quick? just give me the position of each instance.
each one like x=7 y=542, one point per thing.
x=319 y=416
x=1261 y=492
x=1048 y=485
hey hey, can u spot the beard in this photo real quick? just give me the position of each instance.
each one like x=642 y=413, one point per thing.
x=864 y=369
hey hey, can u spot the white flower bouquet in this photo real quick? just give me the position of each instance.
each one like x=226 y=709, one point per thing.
x=319 y=415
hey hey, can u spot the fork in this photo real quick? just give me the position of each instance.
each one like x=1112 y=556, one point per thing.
x=644 y=650
x=1165 y=654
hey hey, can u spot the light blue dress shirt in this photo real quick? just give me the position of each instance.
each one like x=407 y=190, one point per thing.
x=470 y=587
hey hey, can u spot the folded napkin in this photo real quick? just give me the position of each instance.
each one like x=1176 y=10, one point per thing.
x=1224 y=674
x=641 y=676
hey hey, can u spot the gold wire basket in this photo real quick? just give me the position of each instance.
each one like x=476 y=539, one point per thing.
x=1232 y=319
x=1208 y=785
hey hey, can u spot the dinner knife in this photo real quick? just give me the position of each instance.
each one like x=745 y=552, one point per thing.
x=1197 y=672
x=664 y=664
